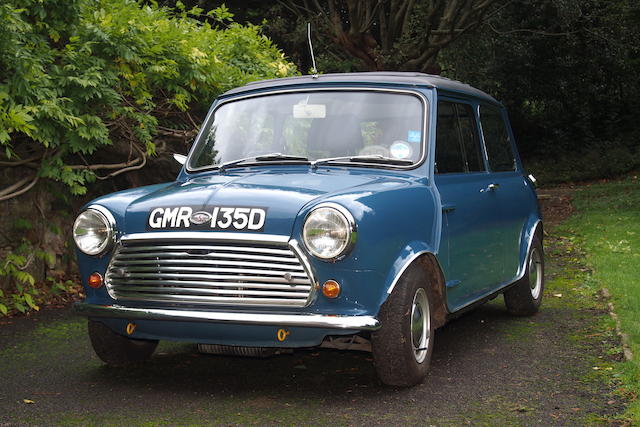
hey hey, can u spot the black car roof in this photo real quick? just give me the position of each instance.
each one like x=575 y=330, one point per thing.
x=382 y=77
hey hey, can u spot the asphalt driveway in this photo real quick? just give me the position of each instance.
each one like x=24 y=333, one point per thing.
x=488 y=368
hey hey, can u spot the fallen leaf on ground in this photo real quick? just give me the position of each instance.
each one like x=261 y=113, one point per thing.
x=28 y=401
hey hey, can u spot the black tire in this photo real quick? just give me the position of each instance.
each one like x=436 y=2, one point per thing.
x=395 y=357
x=118 y=350
x=525 y=296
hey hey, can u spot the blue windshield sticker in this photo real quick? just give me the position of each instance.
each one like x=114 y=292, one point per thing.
x=414 y=136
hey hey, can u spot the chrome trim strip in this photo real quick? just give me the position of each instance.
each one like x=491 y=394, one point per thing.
x=206 y=261
x=366 y=323
x=208 y=300
x=404 y=267
x=201 y=287
x=210 y=256
x=295 y=247
x=210 y=278
x=206 y=236
x=416 y=93
x=139 y=273
x=284 y=252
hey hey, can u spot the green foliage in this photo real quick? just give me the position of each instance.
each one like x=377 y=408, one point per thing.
x=59 y=287
x=607 y=226
x=20 y=292
x=83 y=81
x=21 y=289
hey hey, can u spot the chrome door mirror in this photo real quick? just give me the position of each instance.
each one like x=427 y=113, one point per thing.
x=180 y=158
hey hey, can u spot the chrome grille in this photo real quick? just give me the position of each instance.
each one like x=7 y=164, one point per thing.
x=208 y=272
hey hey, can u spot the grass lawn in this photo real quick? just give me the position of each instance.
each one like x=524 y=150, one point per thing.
x=607 y=228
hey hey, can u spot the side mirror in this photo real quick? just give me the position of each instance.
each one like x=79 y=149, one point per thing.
x=180 y=158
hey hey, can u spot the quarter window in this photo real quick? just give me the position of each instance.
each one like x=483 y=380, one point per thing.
x=496 y=139
x=457 y=142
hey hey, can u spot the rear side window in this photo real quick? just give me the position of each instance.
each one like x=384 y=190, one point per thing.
x=457 y=143
x=496 y=138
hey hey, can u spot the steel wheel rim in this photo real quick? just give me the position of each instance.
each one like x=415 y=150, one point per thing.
x=535 y=273
x=420 y=325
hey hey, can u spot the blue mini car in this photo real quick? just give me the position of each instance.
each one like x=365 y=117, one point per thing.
x=353 y=211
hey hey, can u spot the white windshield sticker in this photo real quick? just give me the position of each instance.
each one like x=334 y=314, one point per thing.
x=400 y=150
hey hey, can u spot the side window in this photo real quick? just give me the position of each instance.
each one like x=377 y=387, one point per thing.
x=448 y=151
x=469 y=137
x=457 y=142
x=496 y=138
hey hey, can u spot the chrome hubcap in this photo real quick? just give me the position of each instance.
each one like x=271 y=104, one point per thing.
x=535 y=273
x=420 y=325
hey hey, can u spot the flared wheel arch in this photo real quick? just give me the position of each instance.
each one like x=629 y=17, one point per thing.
x=428 y=267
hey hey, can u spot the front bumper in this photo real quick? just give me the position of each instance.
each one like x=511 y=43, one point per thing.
x=361 y=323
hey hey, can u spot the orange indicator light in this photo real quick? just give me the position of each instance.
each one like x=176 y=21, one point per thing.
x=95 y=280
x=331 y=289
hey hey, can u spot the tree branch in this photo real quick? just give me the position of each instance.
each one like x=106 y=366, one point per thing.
x=21 y=162
x=106 y=166
x=526 y=30
x=143 y=156
x=7 y=193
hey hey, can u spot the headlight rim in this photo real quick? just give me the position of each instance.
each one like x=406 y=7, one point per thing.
x=110 y=221
x=351 y=225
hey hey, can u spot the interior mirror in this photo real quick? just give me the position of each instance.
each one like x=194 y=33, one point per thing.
x=309 y=111
x=180 y=158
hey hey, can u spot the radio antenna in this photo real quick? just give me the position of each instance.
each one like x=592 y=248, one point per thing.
x=313 y=58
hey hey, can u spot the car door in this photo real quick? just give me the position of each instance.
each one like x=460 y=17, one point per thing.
x=511 y=191
x=471 y=250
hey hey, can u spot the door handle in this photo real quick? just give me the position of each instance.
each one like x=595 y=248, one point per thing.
x=448 y=207
x=490 y=187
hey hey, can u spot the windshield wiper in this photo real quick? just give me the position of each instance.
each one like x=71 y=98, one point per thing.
x=271 y=157
x=369 y=158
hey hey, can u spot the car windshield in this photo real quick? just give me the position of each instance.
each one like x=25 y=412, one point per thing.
x=350 y=126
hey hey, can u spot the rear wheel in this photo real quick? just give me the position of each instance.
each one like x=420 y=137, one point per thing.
x=402 y=347
x=118 y=350
x=524 y=298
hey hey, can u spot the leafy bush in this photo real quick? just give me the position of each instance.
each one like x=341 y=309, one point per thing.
x=22 y=292
x=89 y=88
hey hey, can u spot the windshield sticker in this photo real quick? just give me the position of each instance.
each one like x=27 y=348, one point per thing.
x=229 y=218
x=400 y=150
x=414 y=136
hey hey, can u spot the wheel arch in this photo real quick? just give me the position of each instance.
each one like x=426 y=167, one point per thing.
x=533 y=229
x=425 y=262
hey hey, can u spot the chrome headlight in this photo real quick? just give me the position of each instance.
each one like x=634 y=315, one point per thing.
x=329 y=231
x=93 y=230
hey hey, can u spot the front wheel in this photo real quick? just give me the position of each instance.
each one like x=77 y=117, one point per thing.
x=118 y=350
x=525 y=296
x=402 y=347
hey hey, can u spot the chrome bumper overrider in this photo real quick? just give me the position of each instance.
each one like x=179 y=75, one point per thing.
x=368 y=323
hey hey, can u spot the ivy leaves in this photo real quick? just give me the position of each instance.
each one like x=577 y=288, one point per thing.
x=86 y=80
